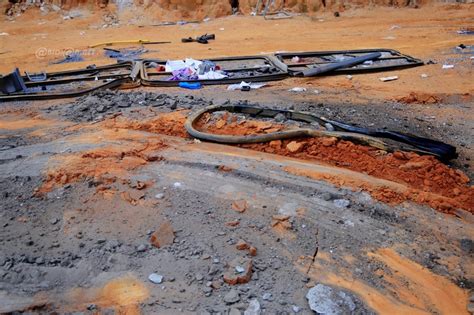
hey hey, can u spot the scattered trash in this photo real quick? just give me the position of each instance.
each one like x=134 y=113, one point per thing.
x=190 y=86
x=325 y=300
x=133 y=41
x=461 y=46
x=317 y=92
x=207 y=70
x=4 y=34
x=297 y=89
x=124 y=54
x=243 y=84
x=278 y=16
x=203 y=39
x=221 y=29
x=448 y=66
x=155 y=278
x=466 y=32
x=337 y=14
x=206 y=20
x=394 y=27
x=191 y=69
x=176 y=23
x=345 y=63
x=389 y=38
x=72 y=57
x=295 y=59
x=349 y=77
x=12 y=82
x=424 y=75
x=392 y=78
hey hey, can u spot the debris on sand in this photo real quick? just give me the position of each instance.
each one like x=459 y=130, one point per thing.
x=386 y=79
x=297 y=89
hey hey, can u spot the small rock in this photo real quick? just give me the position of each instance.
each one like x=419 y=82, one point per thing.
x=294 y=147
x=234 y=311
x=239 y=269
x=232 y=278
x=141 y=248
x=160 y=196
x=295 y=308
x=39 y=261
x=341 y=203
x=240 y=205
x=199 y=277
x=232 y=297
x=54 y=221
x=467 y=245
x=280 y=117
x=254 y=308
x=267 y=296
x=242 y=245
x=328 y=141
x=470 y=308
x=163 y=235
x=155 y=278
x=326 y=300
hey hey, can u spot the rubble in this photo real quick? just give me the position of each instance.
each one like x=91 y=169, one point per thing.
x=163 y=236
x=239 y=271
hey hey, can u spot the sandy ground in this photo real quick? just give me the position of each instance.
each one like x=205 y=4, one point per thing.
x=83 y=190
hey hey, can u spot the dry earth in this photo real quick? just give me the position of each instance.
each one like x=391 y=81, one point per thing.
x=102 y=191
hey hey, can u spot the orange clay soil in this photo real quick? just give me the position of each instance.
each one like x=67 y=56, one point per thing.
x=428 y=180
x=104 y=164
x=411 y=288
x=123 y=294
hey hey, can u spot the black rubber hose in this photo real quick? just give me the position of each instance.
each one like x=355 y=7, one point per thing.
x=443 y=150
x=370 y=137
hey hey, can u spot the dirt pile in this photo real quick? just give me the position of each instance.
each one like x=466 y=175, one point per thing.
x=171 y=124
x=429 y=181
x=102 y=166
